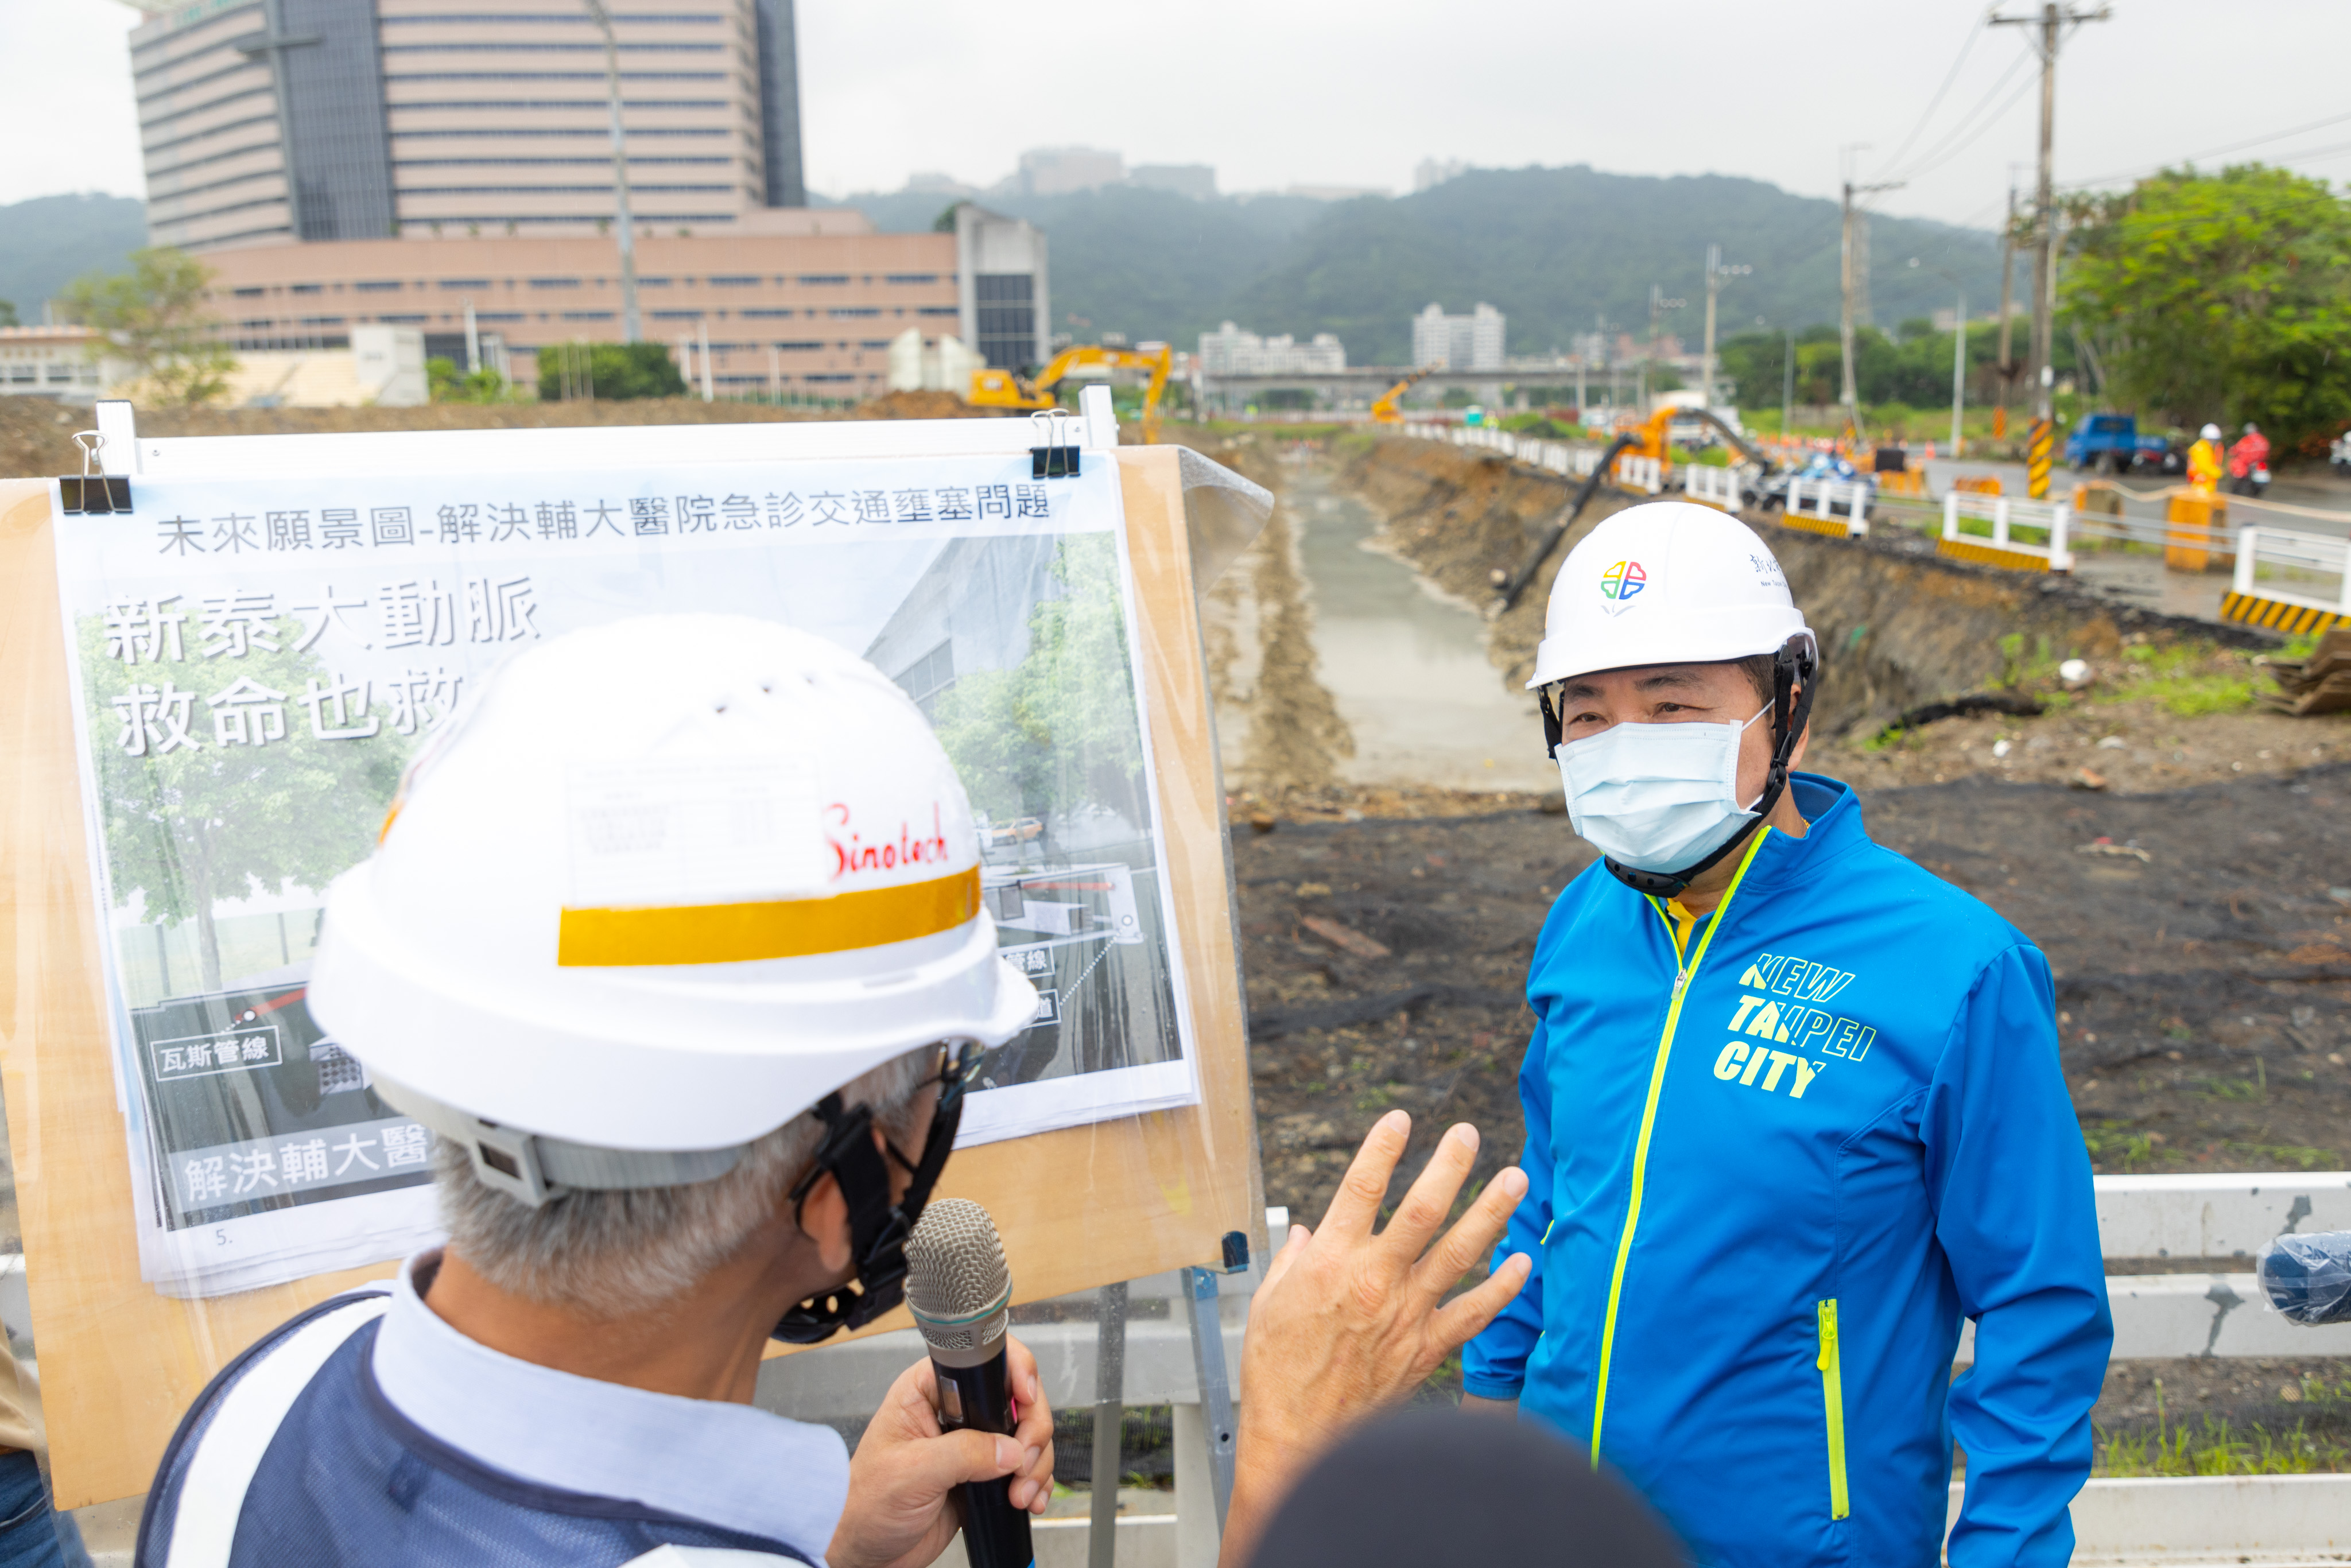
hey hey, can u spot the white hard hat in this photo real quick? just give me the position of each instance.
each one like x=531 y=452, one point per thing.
x=2210 y=433
x=667 y=883
x=1669 y=582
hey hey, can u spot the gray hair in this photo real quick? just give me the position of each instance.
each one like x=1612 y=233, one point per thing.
x=612 y=1253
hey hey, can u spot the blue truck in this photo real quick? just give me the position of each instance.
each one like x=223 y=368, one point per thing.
x=2111 y=444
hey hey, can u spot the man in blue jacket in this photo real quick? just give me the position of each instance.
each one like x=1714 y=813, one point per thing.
x=1794 y=1111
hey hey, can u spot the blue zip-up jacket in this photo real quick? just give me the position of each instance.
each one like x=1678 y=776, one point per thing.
x=1774 y=1157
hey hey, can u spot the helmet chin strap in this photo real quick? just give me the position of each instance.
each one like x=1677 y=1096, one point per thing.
x=1793 y=669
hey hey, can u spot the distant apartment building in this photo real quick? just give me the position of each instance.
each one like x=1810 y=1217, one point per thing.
x=1471 y=342
x=1197 y=181
x=267 y=121
x=1064 y=171
x=1229 y=351
x=804 y=302
x=1430 y=173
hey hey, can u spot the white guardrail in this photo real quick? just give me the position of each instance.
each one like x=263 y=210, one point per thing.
x=2006 y=515
x=1566 y=458
x=1826 y=495
x=1716 y=487
x=1634 y=472
x=2264 y=1520
x=2269 y=558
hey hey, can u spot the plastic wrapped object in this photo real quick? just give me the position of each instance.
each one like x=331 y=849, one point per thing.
x=2308 y=1278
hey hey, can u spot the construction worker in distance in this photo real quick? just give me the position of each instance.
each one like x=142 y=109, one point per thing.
x=694 y=1053
x=2205 y=459
x=1793 y=1113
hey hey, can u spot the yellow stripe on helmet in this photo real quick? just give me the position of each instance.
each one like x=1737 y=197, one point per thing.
x=773 y=928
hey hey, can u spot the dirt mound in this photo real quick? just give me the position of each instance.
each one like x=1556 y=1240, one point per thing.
x=1278 y=730
x=920 y=405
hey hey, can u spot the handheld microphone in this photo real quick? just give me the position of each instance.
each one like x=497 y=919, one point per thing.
x=959 y=1289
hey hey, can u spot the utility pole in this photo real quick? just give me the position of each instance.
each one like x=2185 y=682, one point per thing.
x=1851 y=265
x=1788 y=385
x=1658 y=306
x=631 y=324
x=1958 y=371
x=2007 y=315
x=2044 y=218
x=1715 y=273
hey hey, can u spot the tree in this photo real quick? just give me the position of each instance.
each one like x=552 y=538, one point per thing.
x=2222 y=296
x=1059 y=729
x=189 y=823
x=7 y=313
x=445 y=382
x=155 y=316
x=615 y=370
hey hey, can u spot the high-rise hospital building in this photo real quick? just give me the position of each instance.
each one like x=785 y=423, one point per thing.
x=346 y=162
x=266 y=120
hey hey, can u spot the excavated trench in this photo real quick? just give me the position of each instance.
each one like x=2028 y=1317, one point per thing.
x=2183 y=857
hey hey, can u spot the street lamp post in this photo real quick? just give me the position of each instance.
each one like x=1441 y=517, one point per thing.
x=631 y=324
x=1715 y=273
x=1959 y=353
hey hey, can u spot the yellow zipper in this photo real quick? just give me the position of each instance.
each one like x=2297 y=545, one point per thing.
x=1832 y=1367
x=1682 y=978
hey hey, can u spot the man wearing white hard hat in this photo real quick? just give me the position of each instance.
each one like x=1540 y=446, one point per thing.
x=677 y=942
x=1793 y=1113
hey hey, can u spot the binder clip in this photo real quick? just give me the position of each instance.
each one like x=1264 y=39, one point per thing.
x=1056 y=458
x=93 y=495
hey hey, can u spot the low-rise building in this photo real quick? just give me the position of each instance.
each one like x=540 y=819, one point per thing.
x=1197 y=181
x=1063 y=171
x=801 y=301
x=1229 y=351
x=56 y=362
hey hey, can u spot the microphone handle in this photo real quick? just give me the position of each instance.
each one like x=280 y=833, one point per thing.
x=994 y=1533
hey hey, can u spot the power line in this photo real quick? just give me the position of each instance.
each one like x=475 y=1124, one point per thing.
x=1998 y=83
x=2210 y=152
x=1949 y=76
x=1942 y=157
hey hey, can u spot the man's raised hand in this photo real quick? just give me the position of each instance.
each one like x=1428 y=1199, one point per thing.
x=1350 y=1321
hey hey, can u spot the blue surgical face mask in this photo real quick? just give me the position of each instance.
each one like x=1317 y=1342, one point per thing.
x=1657 y=797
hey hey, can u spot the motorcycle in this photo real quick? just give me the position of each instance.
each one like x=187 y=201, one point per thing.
x=2253 y=482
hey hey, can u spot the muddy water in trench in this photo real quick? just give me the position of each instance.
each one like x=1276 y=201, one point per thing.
x=1407 y=668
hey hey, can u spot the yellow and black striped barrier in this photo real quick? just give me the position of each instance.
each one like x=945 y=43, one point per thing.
x=1828 y=528
x=1991 y=555
x=2277 y=614
x=2038 y=452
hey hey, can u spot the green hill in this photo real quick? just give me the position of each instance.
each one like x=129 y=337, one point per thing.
x=47 y=242
x=1549 y=247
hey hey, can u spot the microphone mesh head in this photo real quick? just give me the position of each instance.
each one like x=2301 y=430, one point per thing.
x=956 y=1273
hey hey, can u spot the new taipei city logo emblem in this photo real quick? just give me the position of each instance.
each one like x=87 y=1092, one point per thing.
x=1622 y=581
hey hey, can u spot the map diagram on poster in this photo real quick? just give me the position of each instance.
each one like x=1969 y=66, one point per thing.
x=257 y=661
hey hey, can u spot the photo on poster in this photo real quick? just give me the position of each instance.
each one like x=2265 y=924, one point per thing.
x=256 y=663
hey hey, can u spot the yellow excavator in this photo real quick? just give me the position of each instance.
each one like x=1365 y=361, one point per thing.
x=1005 y=389
x=1384 y=411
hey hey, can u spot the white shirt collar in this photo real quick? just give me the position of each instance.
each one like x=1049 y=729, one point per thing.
x=734 y=1466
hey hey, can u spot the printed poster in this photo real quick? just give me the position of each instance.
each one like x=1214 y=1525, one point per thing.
x=256 y=660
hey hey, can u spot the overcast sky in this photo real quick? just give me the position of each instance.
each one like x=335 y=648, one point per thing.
x=1273 y=94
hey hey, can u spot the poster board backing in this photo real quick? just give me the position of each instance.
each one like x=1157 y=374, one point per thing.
x=121 y=1362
